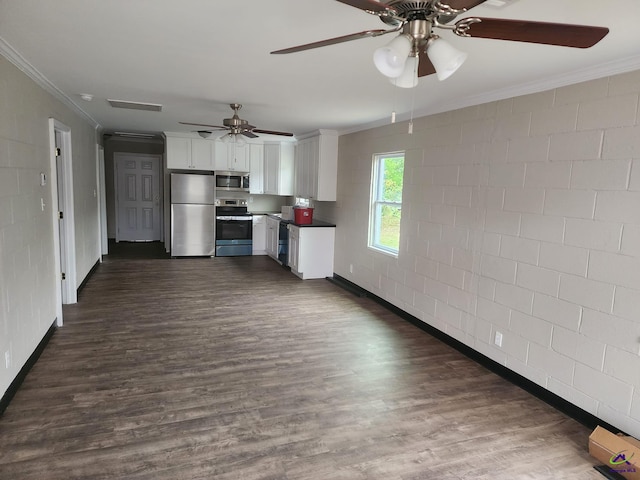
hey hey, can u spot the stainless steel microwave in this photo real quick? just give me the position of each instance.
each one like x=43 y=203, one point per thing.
x=232 y=181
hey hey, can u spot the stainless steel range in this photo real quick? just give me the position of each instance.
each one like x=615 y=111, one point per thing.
x=234 y=229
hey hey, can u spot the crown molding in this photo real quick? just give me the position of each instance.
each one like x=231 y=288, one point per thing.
x=22 y=64
x=608 y=69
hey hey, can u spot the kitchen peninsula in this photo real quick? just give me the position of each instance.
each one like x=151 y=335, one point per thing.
x=309 y=248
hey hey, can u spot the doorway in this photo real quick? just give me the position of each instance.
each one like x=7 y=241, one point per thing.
x=138 y=197
x=63 y=215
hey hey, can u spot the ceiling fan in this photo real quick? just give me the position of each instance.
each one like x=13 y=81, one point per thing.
x=236 y=126
x=417 y=51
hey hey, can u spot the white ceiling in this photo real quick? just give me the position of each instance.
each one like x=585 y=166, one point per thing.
x=196 y=56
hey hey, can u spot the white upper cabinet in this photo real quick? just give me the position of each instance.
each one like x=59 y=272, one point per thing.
x=278 y=168
x=256 y=168
x=202 y=152
x=231 y=157
x=317 y=166
x=178 y=152
x=186 y=153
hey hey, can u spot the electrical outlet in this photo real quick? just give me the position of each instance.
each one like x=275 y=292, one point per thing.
x=7 y=359
x=498 y=339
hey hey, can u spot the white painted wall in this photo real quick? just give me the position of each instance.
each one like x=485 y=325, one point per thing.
x=27 y=277
x=520 y=216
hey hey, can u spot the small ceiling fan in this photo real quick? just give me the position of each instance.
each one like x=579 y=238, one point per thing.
x=417 y=51
x=235 y=126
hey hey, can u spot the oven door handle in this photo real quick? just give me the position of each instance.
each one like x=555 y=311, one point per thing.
x=243 y=218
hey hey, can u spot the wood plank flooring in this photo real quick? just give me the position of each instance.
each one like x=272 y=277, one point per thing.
x=233 y=368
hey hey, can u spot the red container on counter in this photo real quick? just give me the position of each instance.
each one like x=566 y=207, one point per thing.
x=302 y=216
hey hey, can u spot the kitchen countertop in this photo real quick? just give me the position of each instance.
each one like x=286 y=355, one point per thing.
x=315 y=223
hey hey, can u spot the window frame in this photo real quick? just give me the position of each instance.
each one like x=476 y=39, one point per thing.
x=375 y=204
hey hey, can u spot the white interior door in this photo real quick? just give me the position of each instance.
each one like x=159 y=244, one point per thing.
x=63 y=214
x=138 y=197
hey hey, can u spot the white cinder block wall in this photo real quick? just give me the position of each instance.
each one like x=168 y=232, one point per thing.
x=27 y=277
x=520 y=216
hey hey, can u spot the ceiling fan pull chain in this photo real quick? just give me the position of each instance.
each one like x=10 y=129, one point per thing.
x=413 y=99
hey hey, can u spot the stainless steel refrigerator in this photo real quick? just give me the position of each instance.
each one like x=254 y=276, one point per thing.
x=193 y=215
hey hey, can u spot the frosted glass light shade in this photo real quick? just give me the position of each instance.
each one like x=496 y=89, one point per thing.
x=409 y=76
x=390 y=59
x=446 y=59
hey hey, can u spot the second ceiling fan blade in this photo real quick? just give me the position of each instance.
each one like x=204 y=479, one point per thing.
x=272 y=132
x=204 y=125
x=561 y=34
x=332 y=41
x=425 y=67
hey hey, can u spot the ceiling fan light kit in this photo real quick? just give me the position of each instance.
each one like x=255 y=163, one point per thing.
x=391 y=58
x=233 y=138
x=416 y=20
x=409 y=76
x=445 y=57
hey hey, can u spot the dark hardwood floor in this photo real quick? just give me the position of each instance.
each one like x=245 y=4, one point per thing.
x=233 y=368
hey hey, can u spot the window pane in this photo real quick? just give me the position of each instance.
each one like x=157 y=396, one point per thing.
x=389 y=234
x=392 y=172
x=386 y=202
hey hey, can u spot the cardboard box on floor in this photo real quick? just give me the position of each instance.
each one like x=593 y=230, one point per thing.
x=618 y=452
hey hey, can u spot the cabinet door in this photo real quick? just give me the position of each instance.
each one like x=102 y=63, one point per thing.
x=302 y=168
x=294 y=247
x=327 y=167
x=317 y=167
x=285 y=169
x=306 y=167
x=256 y=168
x=231 y=157
x=271 y=165
x=315 y=252
x=272 y=238
x=259 y=234
x=178 y=152
x=238 y=156
x=202 y=153
x=220 y=160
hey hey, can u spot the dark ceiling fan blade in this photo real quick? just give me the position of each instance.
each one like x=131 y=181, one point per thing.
x=332 y=41
x=562 y=34
x=466 y=4
x=425 y=67
x=370 y=6
x=272 y=132
x=220 y=127
x=250 y=134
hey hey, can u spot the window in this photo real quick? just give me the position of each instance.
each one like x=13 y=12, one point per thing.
x=386 y=202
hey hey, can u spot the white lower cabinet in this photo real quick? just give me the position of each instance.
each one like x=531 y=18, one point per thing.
x=259 y=235
x=311 y=251
x=271 y=240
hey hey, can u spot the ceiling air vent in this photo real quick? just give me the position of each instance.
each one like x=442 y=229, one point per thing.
x=149 y=107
